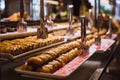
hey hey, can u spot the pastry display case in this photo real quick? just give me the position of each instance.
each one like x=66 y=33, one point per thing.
x=49 y=40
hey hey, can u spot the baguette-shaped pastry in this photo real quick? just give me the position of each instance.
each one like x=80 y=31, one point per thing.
x=102 y=32
x=103 y=36
x=26 y=67
x=59 y=62
x=51 y=54
x=90 y=42
x=56 y=57
x=35 y=62
x=90 y=36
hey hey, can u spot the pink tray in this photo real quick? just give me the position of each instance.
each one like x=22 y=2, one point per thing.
x=105 y=44
x=62 y=72
x=74 y=64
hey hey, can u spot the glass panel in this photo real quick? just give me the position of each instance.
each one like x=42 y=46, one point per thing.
x=2 y=5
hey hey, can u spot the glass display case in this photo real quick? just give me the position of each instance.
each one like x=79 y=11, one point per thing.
x=58 y=43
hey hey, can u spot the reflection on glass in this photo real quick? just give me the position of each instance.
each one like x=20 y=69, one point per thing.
x=2 y=6
x=36 y=9
x=109 y=27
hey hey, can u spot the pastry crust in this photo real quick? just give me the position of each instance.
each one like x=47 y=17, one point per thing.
x=59 y=62
x=35 y=62
x=18 y=46
x=55 y=58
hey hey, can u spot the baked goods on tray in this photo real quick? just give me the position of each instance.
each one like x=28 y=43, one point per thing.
x=58 y=62
x=52 y=65
x=51 y=60
x=21 y=45
x=55 y=57
x=102 y=32
x=51 y=54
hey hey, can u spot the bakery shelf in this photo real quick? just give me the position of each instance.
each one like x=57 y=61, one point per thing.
x=70 y=67
x=31 y=31
x=63 y=72
x=11 y=57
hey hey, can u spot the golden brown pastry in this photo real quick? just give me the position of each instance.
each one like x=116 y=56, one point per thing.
x=27 y=67
x=90 y=42
x=18 y=46
x=53 y=59
x=52 y=53
x=103 y=31
x=35 y=62
x=103 y=36
x=59 y=62
x=45 y=57
x=90 y=36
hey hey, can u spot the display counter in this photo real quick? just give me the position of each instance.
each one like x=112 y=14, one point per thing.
x=84 y=72
x=79 y=49
x=91 y=68
x=84 y=64
x=32 y=30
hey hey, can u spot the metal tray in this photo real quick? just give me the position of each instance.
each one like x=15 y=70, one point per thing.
x=30 y=31
x=11 y=57
x=63 y=72
x=77 y=35
x=105 y=45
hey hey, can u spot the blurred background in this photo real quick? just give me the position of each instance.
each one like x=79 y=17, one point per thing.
x=9 y=7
